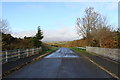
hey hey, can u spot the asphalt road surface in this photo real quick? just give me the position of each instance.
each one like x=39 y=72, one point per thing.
x=64 y=63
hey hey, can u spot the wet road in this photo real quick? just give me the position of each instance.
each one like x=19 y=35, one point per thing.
x=63 y=63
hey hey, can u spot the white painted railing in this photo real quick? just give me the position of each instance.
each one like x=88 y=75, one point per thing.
x=11 y=55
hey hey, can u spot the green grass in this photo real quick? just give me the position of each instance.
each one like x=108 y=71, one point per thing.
x=78 y=49
x=50 y=50
x=82 y=51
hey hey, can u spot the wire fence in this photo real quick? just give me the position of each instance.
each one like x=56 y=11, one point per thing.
x=11 y=55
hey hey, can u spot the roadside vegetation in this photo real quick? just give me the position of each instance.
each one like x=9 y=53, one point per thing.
x=95 y=31
x=10 y=43
x=78 y=49
x=82 y=51
x=47 y=48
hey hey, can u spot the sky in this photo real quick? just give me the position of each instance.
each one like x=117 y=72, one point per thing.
x=57 y=19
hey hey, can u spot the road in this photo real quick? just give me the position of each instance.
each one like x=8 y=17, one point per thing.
x=63 y=63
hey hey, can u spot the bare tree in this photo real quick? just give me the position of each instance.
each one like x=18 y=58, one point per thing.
x=92 y=26
x=4 y=28
x=86 y=24
x=118 y=29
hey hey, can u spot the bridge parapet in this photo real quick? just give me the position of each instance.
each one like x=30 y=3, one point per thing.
x=113 y=54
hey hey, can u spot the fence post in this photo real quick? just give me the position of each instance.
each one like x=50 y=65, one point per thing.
x=30 y=50
x=33 y=51
x=27 y=53
x=18 y=53
x=6 y=56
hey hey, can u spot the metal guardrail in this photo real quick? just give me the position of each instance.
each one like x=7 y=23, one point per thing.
x=11 y=55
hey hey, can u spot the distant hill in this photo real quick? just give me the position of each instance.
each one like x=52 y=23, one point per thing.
x=75 y=43
x=55 y=42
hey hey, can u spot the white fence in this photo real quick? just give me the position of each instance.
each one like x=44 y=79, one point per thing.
x=107 y=52
x=12 y=55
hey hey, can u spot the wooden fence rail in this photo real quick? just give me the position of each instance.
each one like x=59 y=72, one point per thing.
x=12 y=55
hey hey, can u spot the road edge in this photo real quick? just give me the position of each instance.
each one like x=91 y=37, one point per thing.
x=22 y=65
x=110 y=73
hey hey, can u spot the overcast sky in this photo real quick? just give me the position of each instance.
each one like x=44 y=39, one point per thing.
x=57 y=19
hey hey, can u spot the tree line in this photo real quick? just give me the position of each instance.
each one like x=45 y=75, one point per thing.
x=10 y=43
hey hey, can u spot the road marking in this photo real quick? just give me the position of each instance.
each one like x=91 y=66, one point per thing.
x=110 y=60
x=104 y=58
x=112 y=74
